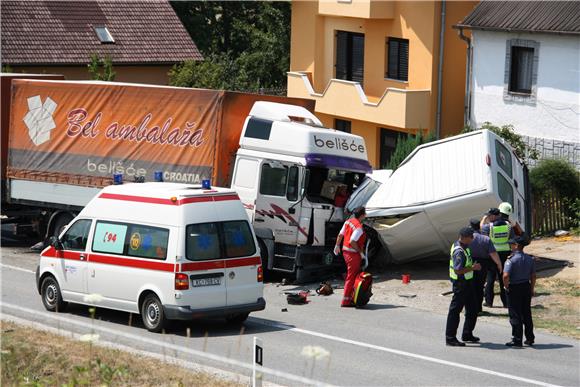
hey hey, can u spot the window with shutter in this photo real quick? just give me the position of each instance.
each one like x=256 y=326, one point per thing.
x=349 y=64
x=397 y=58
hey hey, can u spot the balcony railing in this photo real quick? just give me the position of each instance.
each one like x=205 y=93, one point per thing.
x=396 y=107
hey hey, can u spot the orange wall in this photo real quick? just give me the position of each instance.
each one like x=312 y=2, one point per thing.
x=454 y=61
x=156 y=75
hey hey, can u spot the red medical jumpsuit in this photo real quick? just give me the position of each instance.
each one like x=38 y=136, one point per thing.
x=352 y=230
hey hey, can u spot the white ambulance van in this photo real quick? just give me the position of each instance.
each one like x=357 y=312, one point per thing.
x=167 y=251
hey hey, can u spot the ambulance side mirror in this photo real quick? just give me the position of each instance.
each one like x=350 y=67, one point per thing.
x=56 y=243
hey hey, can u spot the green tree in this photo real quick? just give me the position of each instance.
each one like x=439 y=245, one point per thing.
x=523 y=151
x=246 y=43
x=406 y=145
x=101 y=69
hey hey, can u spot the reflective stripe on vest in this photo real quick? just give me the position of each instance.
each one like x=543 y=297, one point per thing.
x=468 y=262
x=499 y=236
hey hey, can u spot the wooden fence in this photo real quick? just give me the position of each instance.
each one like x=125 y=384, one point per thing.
x=549 y=213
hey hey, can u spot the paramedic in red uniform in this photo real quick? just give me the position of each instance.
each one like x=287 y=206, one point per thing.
x=353 y=237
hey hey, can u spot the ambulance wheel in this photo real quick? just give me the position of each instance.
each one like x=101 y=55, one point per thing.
x=237 y=318
x=51 y=296
x=152 y=313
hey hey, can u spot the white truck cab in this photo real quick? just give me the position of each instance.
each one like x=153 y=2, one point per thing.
x=164 y=250
x=287 y=171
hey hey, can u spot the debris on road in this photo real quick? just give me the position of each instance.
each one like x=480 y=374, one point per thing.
x=561 y=233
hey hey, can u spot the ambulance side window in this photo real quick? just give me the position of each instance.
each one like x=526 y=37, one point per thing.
x=109 y=237
x=147 y=242
x=75 y=238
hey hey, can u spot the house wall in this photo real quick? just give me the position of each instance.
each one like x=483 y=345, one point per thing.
x=156 y=75
x=555 y=112
x=551 y=122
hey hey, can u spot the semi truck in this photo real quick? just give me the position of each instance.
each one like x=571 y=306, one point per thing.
x=68 y=139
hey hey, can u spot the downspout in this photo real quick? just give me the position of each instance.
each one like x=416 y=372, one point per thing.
x=467 y=103
x=440 y=72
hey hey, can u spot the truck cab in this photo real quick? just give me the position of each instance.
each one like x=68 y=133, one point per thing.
x=288 y=172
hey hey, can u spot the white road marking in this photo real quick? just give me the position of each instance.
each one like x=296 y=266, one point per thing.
x=409 y=354
x=94 y=326
x=17 y=268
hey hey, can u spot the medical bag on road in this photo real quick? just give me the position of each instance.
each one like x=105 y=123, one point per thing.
x=362 y=289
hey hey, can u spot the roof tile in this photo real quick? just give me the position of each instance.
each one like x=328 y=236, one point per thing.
x=530 y=16
x=62 y=32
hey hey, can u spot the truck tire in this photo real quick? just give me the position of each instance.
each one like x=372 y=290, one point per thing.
x=51 y=295
x=237 y=319
x=59 y=223
x=264 y=257
x=152 y=313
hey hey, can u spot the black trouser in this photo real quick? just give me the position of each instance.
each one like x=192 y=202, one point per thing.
x=463 y=295
x=480 y=276
x=491 y=276
x=520 y=310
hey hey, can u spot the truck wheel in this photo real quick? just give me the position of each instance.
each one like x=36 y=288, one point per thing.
x=152 y=313
x=51 y=296
x=264 y=257
x=59 y=223
x=237 y=318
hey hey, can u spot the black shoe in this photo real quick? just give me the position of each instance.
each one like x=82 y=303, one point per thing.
x=514 y=344
x=454 y=343
x=529 y=342
x=470 y=339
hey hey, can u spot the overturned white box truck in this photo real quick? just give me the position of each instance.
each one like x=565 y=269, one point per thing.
x=417 y=210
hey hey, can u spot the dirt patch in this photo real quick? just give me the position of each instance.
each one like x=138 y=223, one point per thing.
x=556 y=306
x=33 y=357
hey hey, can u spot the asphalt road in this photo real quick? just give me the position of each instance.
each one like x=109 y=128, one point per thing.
x=380 y=345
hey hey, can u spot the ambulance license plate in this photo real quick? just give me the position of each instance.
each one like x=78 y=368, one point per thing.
x=206 y=282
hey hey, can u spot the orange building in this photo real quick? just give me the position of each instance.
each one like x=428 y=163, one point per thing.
x=372 y=67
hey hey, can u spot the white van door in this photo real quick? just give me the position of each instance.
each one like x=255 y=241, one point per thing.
x=205 y=266
x=125 y=258
x=72 y=260
x=277 y=206
x=509 y=179
x=242 y=261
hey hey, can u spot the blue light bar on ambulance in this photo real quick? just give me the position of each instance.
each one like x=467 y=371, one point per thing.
x=158 y=175
x=205 y=184
x=338 y=162
x=117 y=178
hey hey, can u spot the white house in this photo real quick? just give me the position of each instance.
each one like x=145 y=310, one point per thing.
x=525 y=71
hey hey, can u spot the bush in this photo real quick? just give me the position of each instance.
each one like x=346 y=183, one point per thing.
x=556 y=175
x=406 y=145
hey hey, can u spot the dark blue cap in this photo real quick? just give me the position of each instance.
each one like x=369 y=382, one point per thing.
x=522 y=240
x=492 y=211
x=466 y=232
x=474 y=223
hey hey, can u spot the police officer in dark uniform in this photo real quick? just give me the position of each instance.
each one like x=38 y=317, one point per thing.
x=519 y=278
x=482 y=251
x=500 y=232
x=461 y=268
x=488 y=218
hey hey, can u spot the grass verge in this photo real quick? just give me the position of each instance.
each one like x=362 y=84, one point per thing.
x=38 y=358
x=556 y=307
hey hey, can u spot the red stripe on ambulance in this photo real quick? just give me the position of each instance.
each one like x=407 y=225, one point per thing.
x=169 y=202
